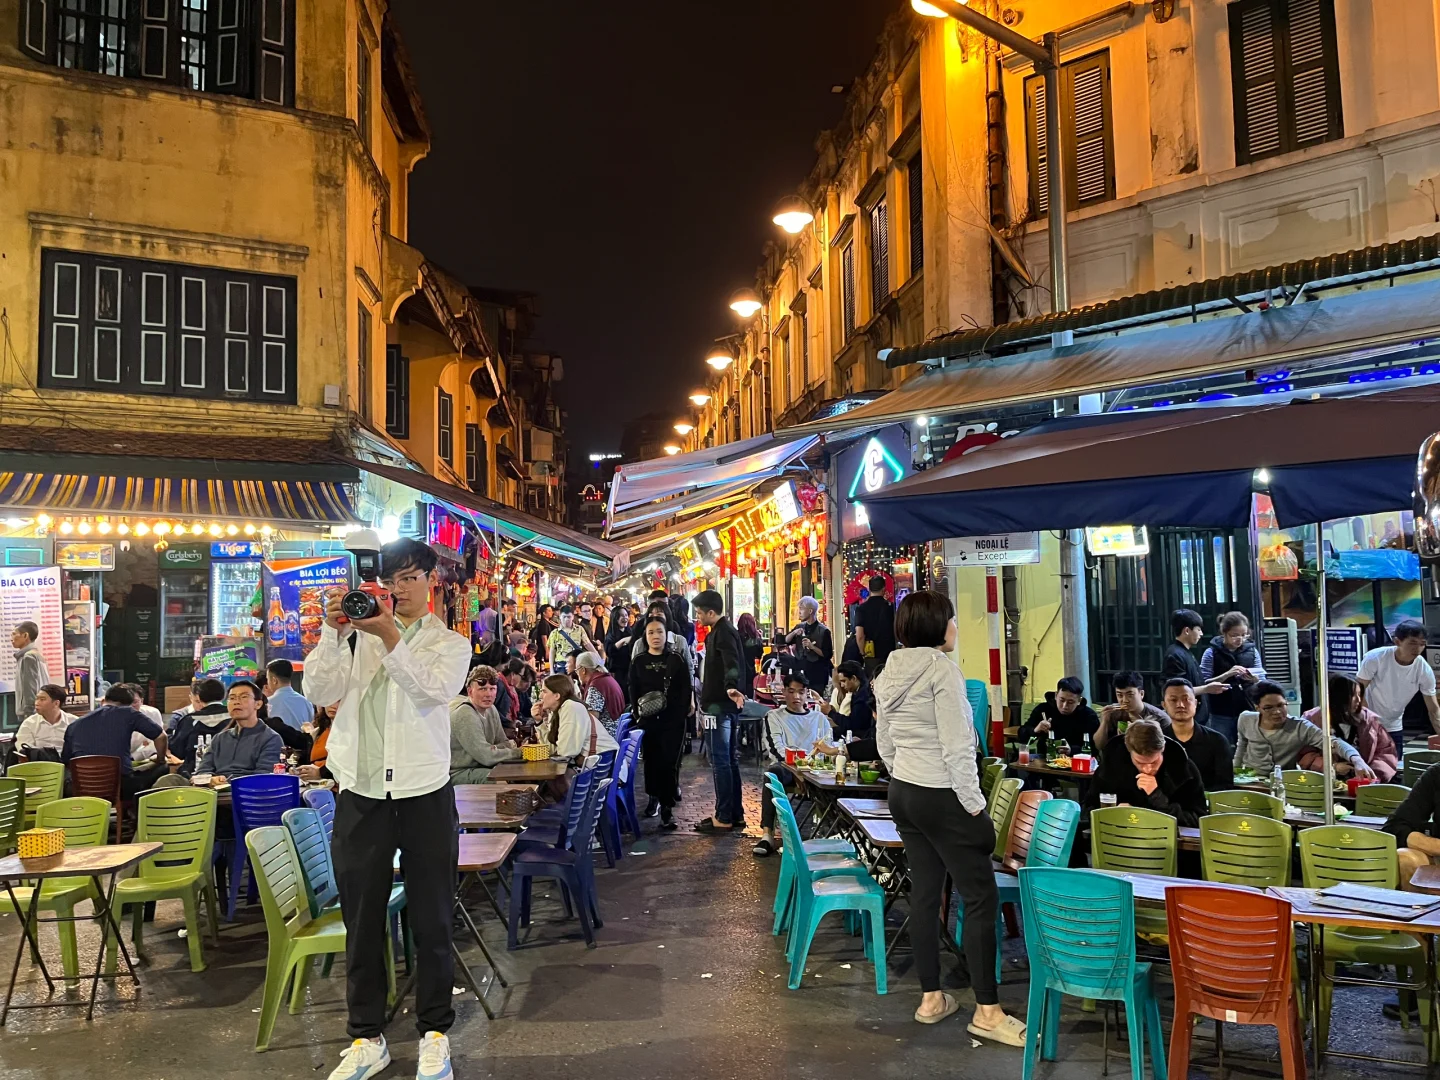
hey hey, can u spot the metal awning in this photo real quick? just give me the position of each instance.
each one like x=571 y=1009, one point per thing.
x=652 y=490
x=655 y=543
x=520 y=527
x=113 y=492
x=1328 y=329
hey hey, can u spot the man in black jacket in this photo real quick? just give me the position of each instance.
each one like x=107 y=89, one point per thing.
x=1415 y=823
x=1206 y=748
x=1064 y=714
x=721 y=700
x=193 y=731
x=1144 y=768
x=875 y=627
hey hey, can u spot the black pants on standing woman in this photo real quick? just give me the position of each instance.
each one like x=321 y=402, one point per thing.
x=662 y=747
x=942 y=837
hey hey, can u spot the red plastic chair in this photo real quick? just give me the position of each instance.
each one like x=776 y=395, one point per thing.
x=1232 y=952
x=98 y=776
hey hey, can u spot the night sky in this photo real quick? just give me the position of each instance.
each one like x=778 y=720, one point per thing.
x=621 y=159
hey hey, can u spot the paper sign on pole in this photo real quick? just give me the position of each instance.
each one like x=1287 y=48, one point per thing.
x=1001 y=549
x=32 y=594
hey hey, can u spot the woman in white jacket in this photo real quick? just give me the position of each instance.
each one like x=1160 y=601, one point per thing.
x=926 y=735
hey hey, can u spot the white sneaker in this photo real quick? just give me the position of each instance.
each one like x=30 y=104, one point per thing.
x=434 y=1057
x=362 y=1059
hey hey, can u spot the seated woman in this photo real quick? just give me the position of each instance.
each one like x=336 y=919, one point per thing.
x=1270 y=737
x=852 y=706
x=1357 y=726
x=797 y=725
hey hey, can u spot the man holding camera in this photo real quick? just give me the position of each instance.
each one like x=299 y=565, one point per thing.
x=389 y=749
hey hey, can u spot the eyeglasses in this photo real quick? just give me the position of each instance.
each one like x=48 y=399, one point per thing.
x=1273 y=708
x=413 y=578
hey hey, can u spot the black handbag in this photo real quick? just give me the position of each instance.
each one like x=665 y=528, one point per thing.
x=652 y=704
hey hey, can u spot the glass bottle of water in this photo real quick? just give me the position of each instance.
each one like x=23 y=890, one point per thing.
x=1277 y=784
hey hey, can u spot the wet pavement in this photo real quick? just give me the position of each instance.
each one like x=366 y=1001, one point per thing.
x=686 y=982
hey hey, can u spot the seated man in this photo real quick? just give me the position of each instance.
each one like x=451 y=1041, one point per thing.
x=1269 y=737
x=1414 y=825
x=477 y=739
x=42 y=734
x=247 y=747
x=797 y=725
x=1145 y=768
x=1064 y=714
x=1207 y=749
x=1130 y=705
x=107 y=732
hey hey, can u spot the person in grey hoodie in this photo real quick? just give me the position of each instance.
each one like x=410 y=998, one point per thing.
x=926 y=735
x=247 y=747
x=477 y=737
x=30 y=670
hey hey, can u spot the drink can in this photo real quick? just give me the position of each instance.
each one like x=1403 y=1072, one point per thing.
x=279 y=767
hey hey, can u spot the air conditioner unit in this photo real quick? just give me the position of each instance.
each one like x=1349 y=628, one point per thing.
x=1280 y=653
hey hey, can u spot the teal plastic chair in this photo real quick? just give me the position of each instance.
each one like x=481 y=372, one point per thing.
x=1080 y=934
x=816 y=899
x=978 y=694
x=829 y=857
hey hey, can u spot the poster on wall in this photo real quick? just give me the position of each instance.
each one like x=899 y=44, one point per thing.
x=32 y=595
x=764 y=609
x=744 y=596
x=294 y=598
x=794 y=596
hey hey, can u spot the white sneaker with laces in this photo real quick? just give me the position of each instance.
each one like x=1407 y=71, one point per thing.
x=362 y=1059
x=434 y=1057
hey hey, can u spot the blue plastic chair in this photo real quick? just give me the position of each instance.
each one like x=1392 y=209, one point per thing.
x=826 y=858
x=626 y=787
x=1080 y=934
x=322 y=801
x=256 y=802
x=558 y=823
x=570 y=864
x=814 y=899
x=611 y=822
x=978 y=694
x=622 y=728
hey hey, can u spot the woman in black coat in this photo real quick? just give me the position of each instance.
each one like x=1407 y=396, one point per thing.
x=664 y=671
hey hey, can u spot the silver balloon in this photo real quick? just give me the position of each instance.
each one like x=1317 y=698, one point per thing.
x=1427 y=500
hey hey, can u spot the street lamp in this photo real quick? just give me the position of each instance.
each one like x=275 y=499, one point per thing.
x=745 y=303
x=671 y=449
x=699 y=398
x=683 y=428
x=793 y=214
x=720 y=358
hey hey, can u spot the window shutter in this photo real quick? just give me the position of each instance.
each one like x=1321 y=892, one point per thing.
x=1090 y=166
x=916 y=198
x=275 y=51
x=1314 y=75
x=37 y=30
x=1255 y=64
x=228 y=52
x=847 y=290
x=1035 y=148
x=397 y=392
x=879 y=256
x=153 y=30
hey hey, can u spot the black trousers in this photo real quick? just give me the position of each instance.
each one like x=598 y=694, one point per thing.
x=767 y=797
x=662 y=747
x=368 y=832
x=940 y=837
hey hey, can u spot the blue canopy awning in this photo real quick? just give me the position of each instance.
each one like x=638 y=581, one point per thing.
x=1325 y=458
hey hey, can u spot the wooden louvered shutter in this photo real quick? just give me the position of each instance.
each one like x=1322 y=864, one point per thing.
x=1285 y=75
x=1314 y=74
x=1255 y=66
x=1089 y=153
x=879 y=256
x=916 y=199
x=1035 y=145
x=37 y=30
x=228 y=63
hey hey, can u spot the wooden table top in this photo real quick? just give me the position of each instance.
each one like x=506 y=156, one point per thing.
x=826 y=781
x=868 y=808
x=475 y=806
x=79 y=861
x=527 y=771
x=881 y=832
x=484 y=851
x=1039 y=768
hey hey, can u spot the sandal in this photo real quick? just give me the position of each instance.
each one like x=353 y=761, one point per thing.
x=711 y=827
x=952 y=1006
x=763 y=848
x=1009 y=1032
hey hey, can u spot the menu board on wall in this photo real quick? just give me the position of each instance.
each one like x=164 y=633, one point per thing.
x=293 y=595
x=743 y=596
x=32 y=594
x=794 y=596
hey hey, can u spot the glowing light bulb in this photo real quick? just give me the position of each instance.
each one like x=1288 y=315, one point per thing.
x=123 y=528
x=162 y=528
x=215 y=529
x=43 y=520
x=84 y=528
x=67 y=526
x=141 y=528
x=231 y=530
x=104 y=528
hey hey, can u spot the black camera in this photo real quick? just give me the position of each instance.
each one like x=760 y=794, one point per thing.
x=364 y=602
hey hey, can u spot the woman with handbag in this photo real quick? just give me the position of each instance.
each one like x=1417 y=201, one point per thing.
x=660 y=695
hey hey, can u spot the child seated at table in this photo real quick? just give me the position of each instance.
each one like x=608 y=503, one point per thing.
x=797 y=725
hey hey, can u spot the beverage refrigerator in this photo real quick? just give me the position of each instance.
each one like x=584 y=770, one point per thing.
x=184 y=608
x=234 y=578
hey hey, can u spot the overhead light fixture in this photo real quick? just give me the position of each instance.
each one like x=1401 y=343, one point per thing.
x=215 y=529
x=720 y=358
x=249 y=530
x=84 y=528
x=232 y=529
x=683 y=428
x=672 y=449
x=745 y=303
x=67 y=526
x=103 y=527
x=44 y=520
x=123 y=528
x=162 y=528
x=699 y=398
x=793 y=214
x=141 y=528
x=930 y=11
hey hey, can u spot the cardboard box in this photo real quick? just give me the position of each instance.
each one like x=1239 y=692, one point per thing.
x=176 y=697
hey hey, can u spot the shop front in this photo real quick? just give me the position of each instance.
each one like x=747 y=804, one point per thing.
x=774 y=554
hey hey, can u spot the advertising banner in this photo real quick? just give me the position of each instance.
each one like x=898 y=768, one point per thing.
x=228 y=658
x=32 y=594
x=294 y=597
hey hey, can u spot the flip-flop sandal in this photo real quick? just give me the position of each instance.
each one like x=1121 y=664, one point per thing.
x=710 y=828
x=1009 y=1032
x=952 y=1006
x=763 y=848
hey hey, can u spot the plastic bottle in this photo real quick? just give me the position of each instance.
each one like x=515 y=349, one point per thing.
x=1277 y=784
x=840 y=766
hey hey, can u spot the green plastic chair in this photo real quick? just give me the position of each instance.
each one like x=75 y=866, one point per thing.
x=816 y=899
x=1002 y=812
x=1305 y=789
x=989 y=773
x=1245 y=849
x=12 y=811
x=87 y=824
x=1336 y=854
x=183 y=819
x=1379 y=800
x=1416 y=763
x=1241 y=801
x=295 y=935
x=48 y=775
x=1134 y=840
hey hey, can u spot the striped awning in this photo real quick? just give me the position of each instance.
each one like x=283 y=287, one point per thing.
x=269 y=500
